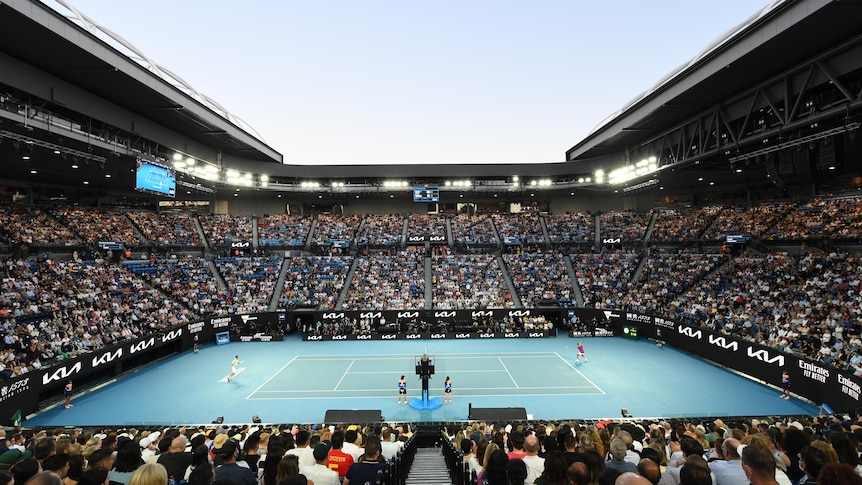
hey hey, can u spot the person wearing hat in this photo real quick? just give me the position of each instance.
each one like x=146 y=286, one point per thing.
x=319 y=473
x=230 y=470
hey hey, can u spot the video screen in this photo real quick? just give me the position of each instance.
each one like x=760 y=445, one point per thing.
x=426 y=194
x=156 y=179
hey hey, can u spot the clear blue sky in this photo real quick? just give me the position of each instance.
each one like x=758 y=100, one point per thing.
x=390 y=82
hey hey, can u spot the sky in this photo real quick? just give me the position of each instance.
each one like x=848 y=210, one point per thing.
x=370 y=82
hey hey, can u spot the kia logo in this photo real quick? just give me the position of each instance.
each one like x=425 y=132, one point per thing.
x=389 y=336
x=173 y=335
x=331 y=316
x=510 y=335
x=413 y=336
x=690 y=332
x=143 y=344
x=408 y=314
x=438 y=335
x=314 y=337
x=483 y=313
x=536 y=335
x=519 y=313
x=339 y=337
x=363 y=337
x=444 y=314
x=723 y=343
x=486 y=335
x=462 y=335
x=107 y=357
x=61 y=374
x=763 y=356
x=370 y=315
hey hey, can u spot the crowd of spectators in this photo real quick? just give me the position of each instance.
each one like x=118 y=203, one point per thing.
x=426 y=225
x=333 y=228
x=250 y=282
x=756 y=219
x=388 y=280
x=33 y=226
x=605 y=278
x=469 y=281
x=57 y=309
x=569 y=228
x=807 y=303
x=283 y=230
x=314 y=281
x=176 y=229
x=822 y=450
x=539 y=277
x=663 y=277
x=94 y=225
x=381 y=230
x=627 y=225
x=223 y=229
x=473 y=230
x=521 y=228
x=723 y=451
x=186 y=279
x=673 y=225
x=238 y=454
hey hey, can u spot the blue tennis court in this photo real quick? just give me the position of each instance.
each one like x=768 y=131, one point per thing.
x=296 y=381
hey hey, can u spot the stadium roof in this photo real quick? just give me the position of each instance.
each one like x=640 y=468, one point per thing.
x=812 y=47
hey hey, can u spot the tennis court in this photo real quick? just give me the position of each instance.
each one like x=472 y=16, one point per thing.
x=358 y=377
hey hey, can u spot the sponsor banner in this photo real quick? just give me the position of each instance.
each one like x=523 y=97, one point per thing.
x=433 y=335
x=429 y=238
x=24 y=392
x=809 y=378
x=258 y=337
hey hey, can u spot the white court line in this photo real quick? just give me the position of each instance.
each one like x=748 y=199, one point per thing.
x=507 y=372
x=385 y=397
x=469 y=388
x=345 y=374
x=271 y=377
x=579 y=372
x=403 y=356
x=449 y=372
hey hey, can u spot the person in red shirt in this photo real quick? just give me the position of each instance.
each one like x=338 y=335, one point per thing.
x=338 y=461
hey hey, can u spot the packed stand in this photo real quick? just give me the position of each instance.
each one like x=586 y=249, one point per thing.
x=238 y=454
x=568 y=228
x=605 y=278
x=94 y=225
x=282 y=230
x=250 y=281
x=523 y=228
x=426 y=225
x=176 y=229
x=808 y=304
x=821 y=450
x=33 y=226
x=186 y=280
x=822 y=218
x=539 y=277
x=76 y=307
x=223 y=229
x=673 y=225
x=474 y=230
x=314 y=281
x=757 y=220
x=627 y=225
x=469 y=281
x=381 y=230
x=387 y=280
x=664 y=277
x=331 y=229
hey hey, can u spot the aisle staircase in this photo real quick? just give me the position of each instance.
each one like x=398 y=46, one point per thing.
x=429 y=467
